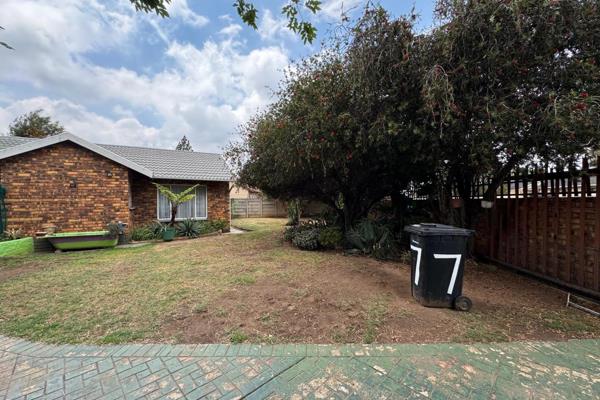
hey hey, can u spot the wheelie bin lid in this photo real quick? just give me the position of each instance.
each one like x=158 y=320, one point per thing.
x=430 y=229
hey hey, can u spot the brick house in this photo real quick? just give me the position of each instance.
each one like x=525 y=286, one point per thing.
x=76 y=185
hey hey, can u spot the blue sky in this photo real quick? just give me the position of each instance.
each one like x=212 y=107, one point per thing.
x=113 y=75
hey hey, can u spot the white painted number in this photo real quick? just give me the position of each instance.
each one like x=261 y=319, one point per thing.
x=457 y=258
x=418 y=250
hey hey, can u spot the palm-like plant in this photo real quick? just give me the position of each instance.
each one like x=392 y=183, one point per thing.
x=176 y=198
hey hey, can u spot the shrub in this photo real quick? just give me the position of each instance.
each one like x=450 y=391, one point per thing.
x=189 y=228
x=219 y=224
x=306 y=239
x=157 y=228
x=293 y=212
x=141 y=233
x=374 y=238
x=12 y=234
x=291 y=231
x=330 y=237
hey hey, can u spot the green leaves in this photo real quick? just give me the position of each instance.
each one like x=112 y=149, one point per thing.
x=157 y=6
x=176 y=198
x=305 y=29
x=249 y=14
x=34 y=125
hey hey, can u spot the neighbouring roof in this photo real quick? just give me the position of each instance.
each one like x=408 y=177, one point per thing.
x=154 y=163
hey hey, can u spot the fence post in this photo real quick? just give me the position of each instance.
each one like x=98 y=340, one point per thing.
x=597 y=232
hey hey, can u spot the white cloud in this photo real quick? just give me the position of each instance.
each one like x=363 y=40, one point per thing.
x=203 y=91
x=231 y=30
x=78 y=120
x=274 y=28
x=335 y=8
x=180 y=9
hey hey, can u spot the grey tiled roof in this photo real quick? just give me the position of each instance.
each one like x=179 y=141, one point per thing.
x=174 y=164
x=156 y=163
x=10 y=141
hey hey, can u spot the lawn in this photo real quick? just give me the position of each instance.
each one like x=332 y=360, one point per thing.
x=253 y=287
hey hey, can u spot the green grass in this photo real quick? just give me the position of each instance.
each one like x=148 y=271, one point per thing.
x=237 y=336
x=200 y=308
x=143 y=294
x=259 y=224
x=375 y=316
x=16 y=248
x=244 y=279
x=566 y=323
x=121 y=295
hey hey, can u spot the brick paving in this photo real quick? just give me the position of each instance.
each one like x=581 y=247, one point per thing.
x=559 y=370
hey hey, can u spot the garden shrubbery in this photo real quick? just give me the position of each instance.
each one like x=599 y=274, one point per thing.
x=314 y=235
x=307 y=239
x=186 y=228
x=378 y=238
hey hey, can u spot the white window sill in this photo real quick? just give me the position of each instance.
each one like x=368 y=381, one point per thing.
x=183 y=219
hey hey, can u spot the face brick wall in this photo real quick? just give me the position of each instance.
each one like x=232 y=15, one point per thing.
x=144 y=198
x=39 y=189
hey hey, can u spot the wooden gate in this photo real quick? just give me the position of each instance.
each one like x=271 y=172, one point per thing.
x=547 y=224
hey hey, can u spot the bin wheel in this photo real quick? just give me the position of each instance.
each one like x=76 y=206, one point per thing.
x=463 y=303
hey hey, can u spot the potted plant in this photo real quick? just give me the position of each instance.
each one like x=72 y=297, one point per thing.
x=175 y=199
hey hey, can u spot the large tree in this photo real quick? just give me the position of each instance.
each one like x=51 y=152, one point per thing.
x=184 y=144
x=508 y=82
x=342 y=129
x=293 y=10
x=34 y=125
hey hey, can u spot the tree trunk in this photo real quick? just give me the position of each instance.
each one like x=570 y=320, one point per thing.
x=173 y=215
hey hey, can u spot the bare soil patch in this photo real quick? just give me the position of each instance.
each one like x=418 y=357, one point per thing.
x=350 y=299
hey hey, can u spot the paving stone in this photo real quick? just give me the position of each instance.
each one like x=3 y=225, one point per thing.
x=441 y=371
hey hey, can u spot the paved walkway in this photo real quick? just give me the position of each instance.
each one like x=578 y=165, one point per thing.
x=513 y=370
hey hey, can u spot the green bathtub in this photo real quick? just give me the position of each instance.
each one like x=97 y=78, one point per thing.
x=82 y=240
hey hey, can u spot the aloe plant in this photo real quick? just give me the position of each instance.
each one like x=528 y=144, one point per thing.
x=176 y=198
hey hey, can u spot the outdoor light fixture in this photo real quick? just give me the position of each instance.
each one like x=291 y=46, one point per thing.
x=73 y=184
x=109 y=173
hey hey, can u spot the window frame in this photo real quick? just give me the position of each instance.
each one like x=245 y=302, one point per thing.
x=195 y=218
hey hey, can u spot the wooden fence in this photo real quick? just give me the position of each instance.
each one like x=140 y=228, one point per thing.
x=257 y=208
x=269 y=208
x=546 y=222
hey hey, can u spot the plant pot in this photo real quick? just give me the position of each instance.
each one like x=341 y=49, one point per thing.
x=49 y=229
x=169 y=234
x=456 y=203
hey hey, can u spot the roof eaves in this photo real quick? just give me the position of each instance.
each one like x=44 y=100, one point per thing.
x=63 y=137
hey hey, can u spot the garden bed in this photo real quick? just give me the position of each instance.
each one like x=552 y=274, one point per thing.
x=257 y=288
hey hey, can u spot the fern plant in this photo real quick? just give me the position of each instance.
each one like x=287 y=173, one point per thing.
x=176 y=198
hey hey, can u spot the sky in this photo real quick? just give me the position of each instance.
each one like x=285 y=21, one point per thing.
x=112 y=75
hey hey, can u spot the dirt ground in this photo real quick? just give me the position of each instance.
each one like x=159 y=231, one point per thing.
x=255 y=288
x=352 y=299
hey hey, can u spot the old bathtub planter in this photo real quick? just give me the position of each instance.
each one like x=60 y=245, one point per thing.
x=82 y=240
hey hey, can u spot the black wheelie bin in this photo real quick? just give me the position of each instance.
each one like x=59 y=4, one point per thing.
x=438 y=258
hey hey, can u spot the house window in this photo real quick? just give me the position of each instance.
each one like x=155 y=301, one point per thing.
x=193 y=209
